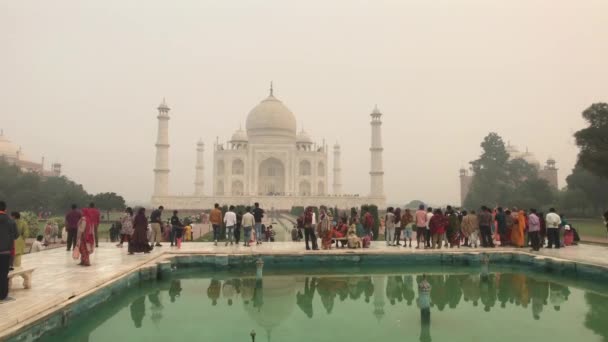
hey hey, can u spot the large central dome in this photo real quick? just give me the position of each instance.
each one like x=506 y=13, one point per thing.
x=271 y=119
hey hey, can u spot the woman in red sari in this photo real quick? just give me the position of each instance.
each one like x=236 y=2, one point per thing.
x=85 y=239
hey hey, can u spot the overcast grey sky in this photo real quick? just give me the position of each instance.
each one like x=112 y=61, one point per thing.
x=80 y=82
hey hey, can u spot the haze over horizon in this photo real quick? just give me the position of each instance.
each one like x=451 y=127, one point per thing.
x=82 y=80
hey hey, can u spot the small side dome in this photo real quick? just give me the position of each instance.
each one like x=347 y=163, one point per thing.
x=239 y=136
x=303 y=138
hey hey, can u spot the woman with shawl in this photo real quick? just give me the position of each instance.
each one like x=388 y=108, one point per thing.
x=85 y=238
x=139 y=239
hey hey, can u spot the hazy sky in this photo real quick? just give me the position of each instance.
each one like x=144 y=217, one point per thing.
x=80 y=82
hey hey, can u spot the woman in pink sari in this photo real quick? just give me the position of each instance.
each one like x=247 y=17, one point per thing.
x=85 y=240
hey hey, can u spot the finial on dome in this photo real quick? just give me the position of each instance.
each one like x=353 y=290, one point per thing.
x=271 y=89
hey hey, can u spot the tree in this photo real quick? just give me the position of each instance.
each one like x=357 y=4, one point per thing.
x=586 y=190
x=414 y=204
x=109 y=201
x=498 y=180
x=593 y=140
x=490 y=181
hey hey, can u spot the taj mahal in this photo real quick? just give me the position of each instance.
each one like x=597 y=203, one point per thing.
x=270 y=162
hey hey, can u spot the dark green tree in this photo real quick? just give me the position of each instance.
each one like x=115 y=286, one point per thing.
x=109 y=201
x=593 y=140
x=499 y=180
x=594 y=189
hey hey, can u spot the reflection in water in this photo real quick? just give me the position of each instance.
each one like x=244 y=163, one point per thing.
x=305 y=299
x=598 y=311
x=424 y=303
x=270 y=302
x=138 y=311
x=157 y=307
x=175 y=290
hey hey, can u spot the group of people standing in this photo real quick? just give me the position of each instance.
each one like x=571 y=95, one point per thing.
x=453 y=228
x=250 y=222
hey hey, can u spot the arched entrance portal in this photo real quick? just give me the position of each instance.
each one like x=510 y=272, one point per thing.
x=271 y=179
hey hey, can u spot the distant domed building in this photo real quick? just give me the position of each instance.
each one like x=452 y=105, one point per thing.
x=269 y=162
x=547 y=172
x=13 y=154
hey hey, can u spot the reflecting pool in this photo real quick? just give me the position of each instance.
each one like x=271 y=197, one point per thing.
x=388 y=304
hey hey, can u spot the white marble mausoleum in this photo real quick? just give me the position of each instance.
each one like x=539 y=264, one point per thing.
x=270 y=162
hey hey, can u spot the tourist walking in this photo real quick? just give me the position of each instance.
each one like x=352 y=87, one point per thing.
x=176 y=226
x=23 y=232
x=553 y=222
x=407 y=221
x=485 y=222
x=470 y=229
x=309 y=229
x=155 y=223
x=126 y=226
x=389 y=225
x=216 y=222
x=95 y=218
x=534 y=229
x=85 y=237
x=8 y=234
x=501 y=223
x=237 y=228
x=427 y=235
x=517 y=234
x=398 y=228
x=247 y=223
x=71 y=225
x=258 y=214
x=230 y=224
x=421 y=225
x=139 y=240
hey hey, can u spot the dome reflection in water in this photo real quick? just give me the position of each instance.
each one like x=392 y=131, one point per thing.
x=441 y=304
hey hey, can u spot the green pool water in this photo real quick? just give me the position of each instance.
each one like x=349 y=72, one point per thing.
x=359 y=305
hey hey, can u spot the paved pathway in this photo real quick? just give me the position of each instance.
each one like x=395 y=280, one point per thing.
x=58 y=277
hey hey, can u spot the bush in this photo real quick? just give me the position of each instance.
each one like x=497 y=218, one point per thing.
x=32 y=222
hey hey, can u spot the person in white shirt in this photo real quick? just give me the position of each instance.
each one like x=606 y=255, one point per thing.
x=429 y=215
x=553 y=221
x=37 y=246
x=247 y=223
x=230 y=223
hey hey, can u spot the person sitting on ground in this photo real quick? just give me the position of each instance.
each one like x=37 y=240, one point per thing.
x=37 y=246
x=269 y=233
x=353 y=240
x=341 y=230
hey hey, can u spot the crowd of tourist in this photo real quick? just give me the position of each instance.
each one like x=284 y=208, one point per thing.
x=437 y=228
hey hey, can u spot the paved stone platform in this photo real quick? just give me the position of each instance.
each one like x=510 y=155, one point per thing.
x=58 y=278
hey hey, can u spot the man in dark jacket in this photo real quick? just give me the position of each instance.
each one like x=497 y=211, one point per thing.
x=8 y=235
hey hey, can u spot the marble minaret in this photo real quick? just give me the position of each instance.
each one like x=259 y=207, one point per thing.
x=161 y=168
x=337 y=171
x=200 y=157
x=376 y=173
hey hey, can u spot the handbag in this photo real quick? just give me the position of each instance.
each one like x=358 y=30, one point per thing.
x=76 y=253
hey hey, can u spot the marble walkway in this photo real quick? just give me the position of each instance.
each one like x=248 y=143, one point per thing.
x=58 y=278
